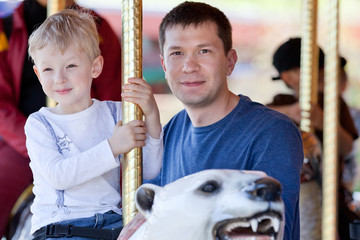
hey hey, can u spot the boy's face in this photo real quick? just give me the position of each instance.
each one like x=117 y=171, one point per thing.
x=195 y=64
x=66 y=77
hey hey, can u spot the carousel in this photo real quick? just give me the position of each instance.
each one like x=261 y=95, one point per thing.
x=318 y=202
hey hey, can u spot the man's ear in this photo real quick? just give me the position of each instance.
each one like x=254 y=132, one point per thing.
x=97 y=67
x=163 y=64
x=232 y=59
x=36 y=70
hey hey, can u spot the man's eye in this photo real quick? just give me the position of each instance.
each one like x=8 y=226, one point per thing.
x=204 y=50
x=175 y=54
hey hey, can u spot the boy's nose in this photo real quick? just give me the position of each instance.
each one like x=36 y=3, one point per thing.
x=60 y=77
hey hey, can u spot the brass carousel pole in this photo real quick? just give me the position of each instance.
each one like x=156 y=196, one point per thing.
x=53 y=6
x=131 y=67
x=309 y=64
x=331 y=114
x=309 y=204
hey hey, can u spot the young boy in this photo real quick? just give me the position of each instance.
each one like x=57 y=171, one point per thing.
x=74 y=147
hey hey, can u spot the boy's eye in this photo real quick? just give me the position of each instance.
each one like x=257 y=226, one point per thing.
x=71 y=65
x=47 y=69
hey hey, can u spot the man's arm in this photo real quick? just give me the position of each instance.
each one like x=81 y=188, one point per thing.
x=281 y=157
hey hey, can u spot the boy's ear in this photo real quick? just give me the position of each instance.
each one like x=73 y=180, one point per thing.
x=97 y=67
x=37 y=72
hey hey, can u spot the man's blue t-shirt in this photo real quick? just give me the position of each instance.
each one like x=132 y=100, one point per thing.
x=251 y=137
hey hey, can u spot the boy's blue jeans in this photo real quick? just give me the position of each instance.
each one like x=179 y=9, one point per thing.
x=106 y=220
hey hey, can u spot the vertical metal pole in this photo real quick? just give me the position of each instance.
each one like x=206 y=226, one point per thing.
x=53 y=6
x=131 y=67
x=309 y=71
x=331 y=112
x=309 y=64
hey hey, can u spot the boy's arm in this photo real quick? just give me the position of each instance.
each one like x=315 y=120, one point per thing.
x=48 y=157
x=153 y=154
x=153 y=124
x=140 y=93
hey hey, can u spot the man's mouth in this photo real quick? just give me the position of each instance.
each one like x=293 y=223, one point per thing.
x=260 y=227
x=192 y=84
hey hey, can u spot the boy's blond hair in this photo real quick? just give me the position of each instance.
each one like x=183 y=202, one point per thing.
x=65 y=28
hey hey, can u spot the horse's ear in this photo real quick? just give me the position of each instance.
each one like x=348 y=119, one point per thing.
x=145 y=198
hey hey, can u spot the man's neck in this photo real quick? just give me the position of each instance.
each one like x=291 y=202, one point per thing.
x=205 y=116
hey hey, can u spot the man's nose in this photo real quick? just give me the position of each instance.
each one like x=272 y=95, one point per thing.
x=190 y=64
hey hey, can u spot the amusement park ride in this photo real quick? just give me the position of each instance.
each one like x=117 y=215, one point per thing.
x=326 y=205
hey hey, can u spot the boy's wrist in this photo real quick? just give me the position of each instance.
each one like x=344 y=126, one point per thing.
x=154 y=130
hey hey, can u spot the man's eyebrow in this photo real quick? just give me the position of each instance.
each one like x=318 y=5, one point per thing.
x=201 y=45
x=204 y=45
x=174 y=47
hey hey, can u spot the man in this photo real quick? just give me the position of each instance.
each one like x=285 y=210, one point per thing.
x=21 y=93
x=286 y=60
x=218 y=129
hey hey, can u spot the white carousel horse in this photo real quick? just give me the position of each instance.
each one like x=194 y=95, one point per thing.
x=212 y=204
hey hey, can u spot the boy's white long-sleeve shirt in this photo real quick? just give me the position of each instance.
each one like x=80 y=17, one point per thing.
x=75 y=172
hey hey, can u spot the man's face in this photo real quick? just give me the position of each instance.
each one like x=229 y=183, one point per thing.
x=195 y=64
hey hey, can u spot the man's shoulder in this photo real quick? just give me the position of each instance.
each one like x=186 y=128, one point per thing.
x=177 y=117
x=259 y=112
x=283 y=99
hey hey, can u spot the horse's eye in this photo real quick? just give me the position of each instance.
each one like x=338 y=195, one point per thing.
x=209 y=187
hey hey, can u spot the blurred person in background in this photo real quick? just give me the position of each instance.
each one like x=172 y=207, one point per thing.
x=21 y=93
x=350 y=169
x=286 y=60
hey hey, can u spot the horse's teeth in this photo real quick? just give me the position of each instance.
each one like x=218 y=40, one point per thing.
x=276 y=224
x=254 y=225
